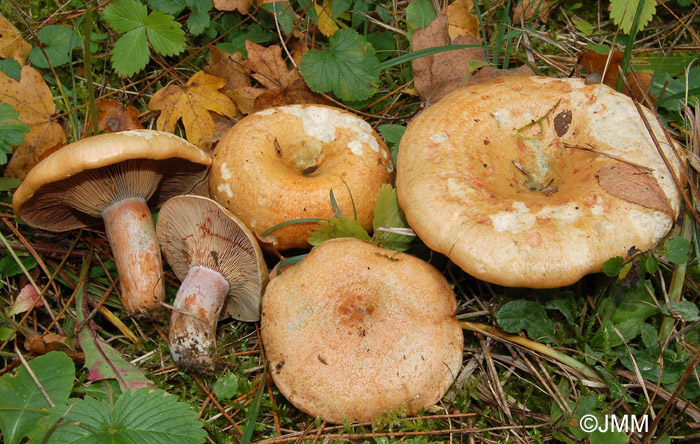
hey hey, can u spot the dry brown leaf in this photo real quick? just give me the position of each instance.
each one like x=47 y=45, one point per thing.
x=241 y=6
x=114 y=116
x=31 y=97
x=281 y=86
x=437 y=75
x=633 y=184
x=462 y=21
x=530 y=8
x=594 y=62
x=228 y=67
x=192 y=103
x=12 y=45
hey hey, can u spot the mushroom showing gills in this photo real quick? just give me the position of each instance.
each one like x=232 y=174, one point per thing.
x=280 y=164
x=114 y=178
x=220 y=264
x=534 y=181
x=353 y=331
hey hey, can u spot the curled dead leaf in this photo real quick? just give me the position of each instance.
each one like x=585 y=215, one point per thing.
x=242 y=6
x=635 y=185
x=594 y=63
x=461 y=21
x=113 y=116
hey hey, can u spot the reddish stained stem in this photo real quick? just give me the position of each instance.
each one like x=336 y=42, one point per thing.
x=132 y=236
x=197 y=306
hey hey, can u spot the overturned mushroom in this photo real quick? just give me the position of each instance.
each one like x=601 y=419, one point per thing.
x=219 y=263
x=354 y=330
x=534 y=181
x=114 y=178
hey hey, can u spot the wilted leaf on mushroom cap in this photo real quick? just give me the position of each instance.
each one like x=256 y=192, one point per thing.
x=12 y=45
x=31 y=97
x=635 y=185
x=192 y=103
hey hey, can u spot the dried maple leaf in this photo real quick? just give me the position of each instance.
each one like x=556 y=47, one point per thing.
x=228 y=67
x=241 y=6
x=462 y=22
x=280 y=85
x=192 y=103
x=633 y=184
x=437 y=75
x=31 y=97
x=594 y=62
x=113 y=116
x=530 y=8
x=12 y=45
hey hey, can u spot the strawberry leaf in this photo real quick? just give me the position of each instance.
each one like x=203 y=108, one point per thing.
x=11 y=130
x=164 y=33
x=349 y=67
x=622 y=13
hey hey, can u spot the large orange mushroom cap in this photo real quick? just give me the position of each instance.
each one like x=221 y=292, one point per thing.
x=505 y=179
x=280 y=164
x=355 y=330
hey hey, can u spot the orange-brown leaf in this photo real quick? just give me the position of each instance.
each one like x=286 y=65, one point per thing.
x=114 y=116
x=31 y=97
x=12 y=45
x=268 y=66
x=633 y=184
x=241 y=6
x=594 y=62
x=462 y=22
x=228 y=67
x=192 y=103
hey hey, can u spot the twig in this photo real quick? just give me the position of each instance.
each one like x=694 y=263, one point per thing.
x=591 y=149
x=216 y=403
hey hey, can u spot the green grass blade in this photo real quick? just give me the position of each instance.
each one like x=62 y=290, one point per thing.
x=425 y=52
x=254 y=409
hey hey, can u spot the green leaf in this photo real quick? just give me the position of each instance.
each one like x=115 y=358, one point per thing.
x=361 y=7
x=528 y=315
x=226 y=386
x=612 y=266
x=165 y=34
x=685 y=309
x=392 y=135
x=335 y=228
x=59 y=42
x=677 y=249
x=7 y=184
x=622 y=13
x=285 y=17
x=650 y=336
x=138 y=416
x=606 y=337
x=235 y=42
x=648 y=363
x=651 y=264
x=199 y=16
x=388 y=214
x=11 y=68
x=9 y=267
x=608 y=437
x=125 y=15
x=172 y=7
x=55 y=372
x=339 y=7
x=419 y=14
x=565 y=304
x=130 y=53
x=349 y=67
x=5 y=333
x=11 y=130
x=384 y=43
x=616 y=389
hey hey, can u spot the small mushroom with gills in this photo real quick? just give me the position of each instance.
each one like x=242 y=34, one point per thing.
x=221 y=268
x=114 y=179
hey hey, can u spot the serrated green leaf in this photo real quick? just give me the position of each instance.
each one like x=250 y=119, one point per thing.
x=130 y=53
x=125 y=15
x=622 y=13
x=59 y=42
x=199 y=17
x=612 y=266
x=55 y=371
x=419 y=14
x=685 y=309
x=11 y=68
x=349 y=67
x=138 y=416
x=226 y=386
x=172 y=7
x=388 y=214
x=677 y=249
x=529 y=316
x=165 y=34
x=335 y=228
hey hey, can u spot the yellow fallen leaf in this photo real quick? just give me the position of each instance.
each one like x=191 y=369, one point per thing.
x=192 y=103
x=12 y=45
x=229 y=5
x=325 y=23
x=31 y=97
x=462 y=21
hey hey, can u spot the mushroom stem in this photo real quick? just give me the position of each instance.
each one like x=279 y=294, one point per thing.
x=193 y=323
x=132 y=236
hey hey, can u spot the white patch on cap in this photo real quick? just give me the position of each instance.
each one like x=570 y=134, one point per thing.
x=390 y=166
x=355 y=146
x=266 y=112
x=460 y=190
x=598 y=208
x=439 y=137
x=521 y=218
x=225 y=188
x=321 y=122
x=225 y=172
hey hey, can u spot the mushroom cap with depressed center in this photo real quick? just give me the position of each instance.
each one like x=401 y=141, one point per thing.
x=195 y=230
x=280 y=164
x=353 y=331
x=503 y=177
x=70 y=188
